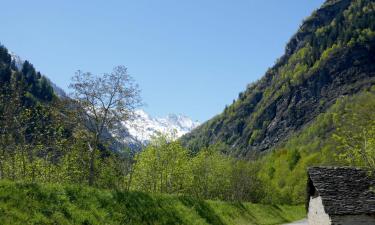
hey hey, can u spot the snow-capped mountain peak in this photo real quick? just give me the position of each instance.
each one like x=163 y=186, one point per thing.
x=144 y=126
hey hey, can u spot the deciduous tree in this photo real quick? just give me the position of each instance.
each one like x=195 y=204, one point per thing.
x=103 y=102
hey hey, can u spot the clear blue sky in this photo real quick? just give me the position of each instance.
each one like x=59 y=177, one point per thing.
x=191 y=57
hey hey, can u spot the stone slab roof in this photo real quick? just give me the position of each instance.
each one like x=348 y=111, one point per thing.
x=344 y=190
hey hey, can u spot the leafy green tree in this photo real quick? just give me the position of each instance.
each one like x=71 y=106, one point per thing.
x=245 y=183
x=355 y=133
x=163 y=166
x=293 y=158
x=211 y=173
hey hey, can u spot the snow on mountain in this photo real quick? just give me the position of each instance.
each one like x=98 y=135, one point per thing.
x=18 y=61
x=144 y=126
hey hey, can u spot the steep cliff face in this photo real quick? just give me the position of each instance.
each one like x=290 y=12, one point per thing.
x=345 y=73
x=332 y=54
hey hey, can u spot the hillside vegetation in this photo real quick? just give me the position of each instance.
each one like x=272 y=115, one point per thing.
x=342 y=136
x=331 y=55
x=25 y=203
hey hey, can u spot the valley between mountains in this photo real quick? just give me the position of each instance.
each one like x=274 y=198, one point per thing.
x=95 y=156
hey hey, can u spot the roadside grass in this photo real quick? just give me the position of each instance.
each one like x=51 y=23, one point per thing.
x=27 y=203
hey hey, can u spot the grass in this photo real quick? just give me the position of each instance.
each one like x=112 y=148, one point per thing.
x=25 y=203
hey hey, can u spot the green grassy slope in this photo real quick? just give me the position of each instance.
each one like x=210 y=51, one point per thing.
x=22 y=203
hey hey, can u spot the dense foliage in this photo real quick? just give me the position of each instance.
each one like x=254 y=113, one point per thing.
x=332 y=54
x=166 y=167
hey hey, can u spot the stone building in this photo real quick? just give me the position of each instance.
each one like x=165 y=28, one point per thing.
x=340 y=196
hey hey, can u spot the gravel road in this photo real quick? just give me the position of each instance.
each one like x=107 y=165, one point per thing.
x=301 y=222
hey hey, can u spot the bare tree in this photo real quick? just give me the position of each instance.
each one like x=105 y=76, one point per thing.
x=104 y=102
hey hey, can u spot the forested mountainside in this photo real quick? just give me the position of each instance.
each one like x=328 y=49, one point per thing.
x=331 y=55
x=35 y=86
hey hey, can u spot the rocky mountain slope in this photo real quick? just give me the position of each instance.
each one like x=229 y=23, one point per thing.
x=331 y=55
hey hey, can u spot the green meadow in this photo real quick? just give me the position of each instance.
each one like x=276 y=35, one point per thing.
x=27 y=203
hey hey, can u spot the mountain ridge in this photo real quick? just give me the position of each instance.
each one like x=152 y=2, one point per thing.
x=331 y=55
x=18 y=62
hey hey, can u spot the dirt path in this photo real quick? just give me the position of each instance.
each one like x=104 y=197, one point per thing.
x=301 y=222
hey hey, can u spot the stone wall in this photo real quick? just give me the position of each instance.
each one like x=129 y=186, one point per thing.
x=353 y=220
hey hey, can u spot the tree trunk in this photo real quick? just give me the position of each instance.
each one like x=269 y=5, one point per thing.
x=130 y=177
x=92 y=166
